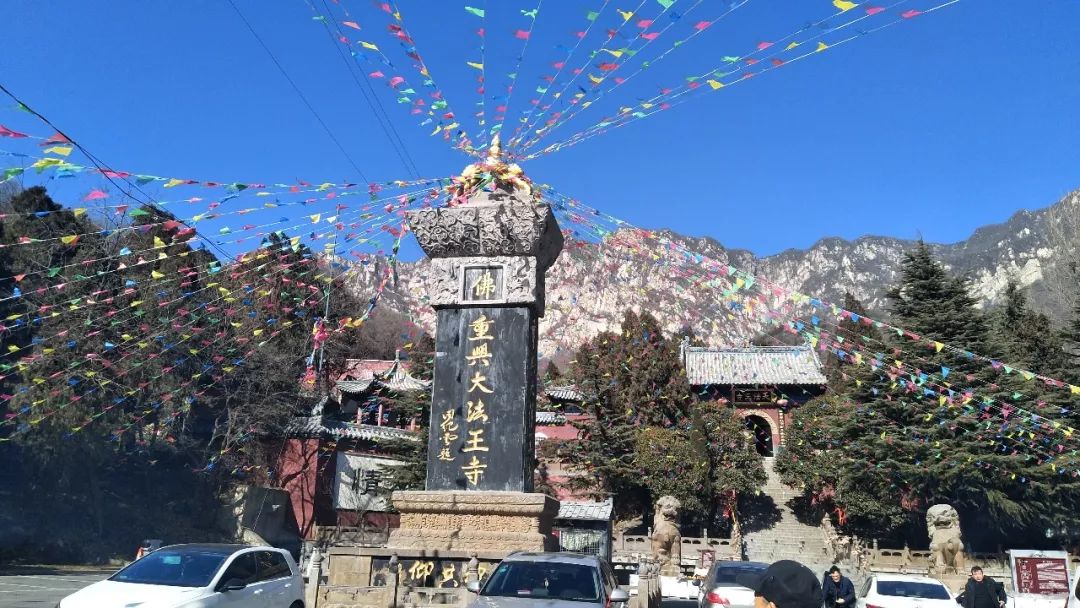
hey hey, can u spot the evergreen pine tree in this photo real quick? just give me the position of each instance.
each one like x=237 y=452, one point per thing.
x=641 y=406
x=935 y=426
x=1070 y=336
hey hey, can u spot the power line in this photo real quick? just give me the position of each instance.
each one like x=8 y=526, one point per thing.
x=299 y=93
x=104 y=169
x=402 y=154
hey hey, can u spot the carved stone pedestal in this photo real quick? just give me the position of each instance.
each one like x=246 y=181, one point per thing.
x=474 y=521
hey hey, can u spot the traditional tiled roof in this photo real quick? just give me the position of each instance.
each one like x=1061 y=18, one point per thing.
x=585 y=510
x=327 y=428
x=550 y=418
x=389 y=374
x=353 y=386
x=564 y=393
x=754 y=365
x=397 y=378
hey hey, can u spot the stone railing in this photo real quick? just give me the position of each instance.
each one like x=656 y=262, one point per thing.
x=347 y=536
x=917 y=561
x=634 y=547
x=648 y=587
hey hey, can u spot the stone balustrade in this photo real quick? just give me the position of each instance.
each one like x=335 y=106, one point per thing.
x=350 y=536
x=648 y=587
x=634 y=547
x=917 y=561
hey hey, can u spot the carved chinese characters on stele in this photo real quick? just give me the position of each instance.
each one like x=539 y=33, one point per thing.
x=484 y=375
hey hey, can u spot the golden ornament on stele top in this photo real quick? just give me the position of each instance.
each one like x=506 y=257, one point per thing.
x=503 y=175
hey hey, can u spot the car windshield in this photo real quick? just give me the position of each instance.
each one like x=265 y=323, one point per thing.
x=557 y=580
x=926 y=591
x=725 y=575
x=176 y=568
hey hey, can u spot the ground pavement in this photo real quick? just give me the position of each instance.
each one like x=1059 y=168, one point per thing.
x=33 y=587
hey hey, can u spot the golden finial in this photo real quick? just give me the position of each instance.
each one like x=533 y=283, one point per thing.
x=495 y=151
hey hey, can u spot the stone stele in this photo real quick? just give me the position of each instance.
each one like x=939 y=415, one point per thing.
x=495 y=220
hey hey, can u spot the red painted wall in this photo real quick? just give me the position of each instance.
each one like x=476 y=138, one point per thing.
x=557 y=475
x=298 y=469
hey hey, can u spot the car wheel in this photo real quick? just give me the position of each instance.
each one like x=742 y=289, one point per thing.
x=296 y=604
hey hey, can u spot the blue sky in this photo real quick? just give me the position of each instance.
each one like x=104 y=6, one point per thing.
x=932 y=127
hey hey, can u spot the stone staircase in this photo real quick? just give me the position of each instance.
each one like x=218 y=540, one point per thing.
x=787 y=538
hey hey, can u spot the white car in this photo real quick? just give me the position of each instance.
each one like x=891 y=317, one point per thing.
x=720 y=590
x=199 y=576
x=904 y=591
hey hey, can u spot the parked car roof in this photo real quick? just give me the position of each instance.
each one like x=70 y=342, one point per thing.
x=737 y=564
x=907 y=577
x=564 y=557
x=221 y=548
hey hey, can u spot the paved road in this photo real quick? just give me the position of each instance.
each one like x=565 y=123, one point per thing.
x=45 y=590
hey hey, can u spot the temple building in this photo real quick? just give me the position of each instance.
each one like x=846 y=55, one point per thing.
x=333 y=461
x=763 y=383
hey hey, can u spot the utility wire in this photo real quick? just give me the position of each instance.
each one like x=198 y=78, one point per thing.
x=380 y=113
x=105 y=170
x=299 y=93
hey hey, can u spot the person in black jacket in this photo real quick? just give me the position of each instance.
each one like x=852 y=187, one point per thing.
x=838 y=590
x=981 y=591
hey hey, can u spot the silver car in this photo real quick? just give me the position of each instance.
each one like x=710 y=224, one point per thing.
x=551 y=580
x=719 y=590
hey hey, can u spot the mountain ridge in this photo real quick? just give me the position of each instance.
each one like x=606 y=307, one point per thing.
x=588 y=289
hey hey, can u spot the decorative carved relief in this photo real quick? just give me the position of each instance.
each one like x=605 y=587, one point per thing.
x=488 y=503
x=480 y=521
x=504 y=228
x=521 y=282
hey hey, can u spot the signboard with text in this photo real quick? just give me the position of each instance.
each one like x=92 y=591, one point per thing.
x=1040 y=572
x=482 y=284
x=754 y=395
x=481 y=434
x=428 y=572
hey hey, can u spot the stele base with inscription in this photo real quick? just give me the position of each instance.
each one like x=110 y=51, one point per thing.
x=490 y=248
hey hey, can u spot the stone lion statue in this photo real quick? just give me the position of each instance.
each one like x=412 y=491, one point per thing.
x=946 y=546
x=666 y=540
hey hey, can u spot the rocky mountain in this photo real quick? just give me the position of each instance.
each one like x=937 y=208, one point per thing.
x=679 y=278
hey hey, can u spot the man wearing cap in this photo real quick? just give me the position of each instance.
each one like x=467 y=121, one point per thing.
x=784 y=584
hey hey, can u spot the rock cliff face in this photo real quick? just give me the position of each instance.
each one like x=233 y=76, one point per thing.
x=591 y=285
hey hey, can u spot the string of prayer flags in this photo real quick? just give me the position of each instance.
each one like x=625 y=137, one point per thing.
x=584 y=100
x=503 y=104
x=436 y=109
x=745 y=281
x=733 y=70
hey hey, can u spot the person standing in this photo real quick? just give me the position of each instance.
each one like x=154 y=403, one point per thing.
x=838 y=590
x=981 y=591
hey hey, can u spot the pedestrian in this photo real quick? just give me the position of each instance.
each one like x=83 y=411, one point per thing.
x=784 y=584
x=981 y=591
x=838 y=589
